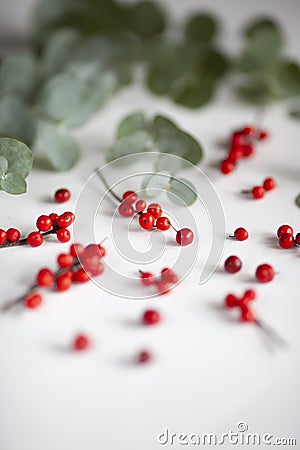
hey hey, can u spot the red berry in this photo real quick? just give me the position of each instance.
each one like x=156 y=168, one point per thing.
x=53 y=217
x=147 y=278
x=265 y=273
x=227 y=166
x=283 y=229
x=235 y=154
x=233 y=264
x=81 y=342
x=143 y=357
x=263 y=135
x=146 y=221
x=64 y=281
x=269 y=184
x=140 y=205
x=81 y=276
x=44 y=223
x=247 y=131
x=297 y=239
x=35 y=239
x=76 y=250
x=163 y=223
x=63 y=235
x=65 y=220
x=65 y=260
x=102 y=251
x=125 y=209
x=130 y=197
x=238 y=138
x=33 y=300
x=286 y=240
x=151 y=317
x=62 y=195
x=231 y=300
x=90 y=261
x=169 y=276
x=247 y=315
x=163 y=287
x=248 y=150
x=155 y=210
x=241 y=234
x=45 y=278
x=13 y=235
x=185 y=236
x=3 y=236
x=250 y=294
x=258 y=192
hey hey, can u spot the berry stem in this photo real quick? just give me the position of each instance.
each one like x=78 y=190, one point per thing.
x=24 y=240
x=246 y=191
x=271 y=333
x=109 y=189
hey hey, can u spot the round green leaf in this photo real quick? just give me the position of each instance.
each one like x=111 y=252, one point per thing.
x=297 y=201
x=61 y=149
x=170 y=164
x=13 y=183
x=182 y=192
x=3 y=165
x=195 y=95
x=137 y=142
x=145 y=19
x=18 y=156
x=131 y=124
x=201 y=28
x=156 y=183
x=287 y=80
x=263 y=23
x=18 y=73
x=265 y=45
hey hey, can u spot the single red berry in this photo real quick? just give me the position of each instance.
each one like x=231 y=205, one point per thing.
x=250 y=294
x=265 y=273
x=163 y=287
x=283 y=229
x=286 y=240
x=231 y=301
x=185 y=236
x=227 y=166
x=64 y=281
x=3 y=236
x=235 y=154
x=147 y=278
x=35 y=239
x=91 y=263
x=258 y=192
x=269 y=184
x=144 y=357
x=233 y=264
x=44 y=223
x=140 y=206
x=65 y=260
x=125 y=209
x=155 y=210
x=65 y=220
x=81 y=342
x=45 y=278
x=247 y=315
x=241 y=234
x=247 y=131
x=76 y=250
x=169 y=275
x=297 y=239
x=263 y=135
x=70 y=214
x=62 y=195
x=238 y=138
x=54 y=217
x=248 y=150
x=150 y=317
x=93 y=250
x=13 y=235
x=146 y=221
x=130 y=197
x=163 y=223
x=81 y=276
x=33 y=300
x=63 y=235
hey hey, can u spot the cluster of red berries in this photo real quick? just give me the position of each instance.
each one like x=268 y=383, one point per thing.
x=163 y=282
x=242 y=145
x=52 y=224
x=258 y=192
x=264 y=272
x=286 y=237
x=232 y=301
x=151 y=217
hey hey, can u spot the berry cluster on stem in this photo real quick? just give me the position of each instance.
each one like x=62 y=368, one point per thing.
x=163 y=282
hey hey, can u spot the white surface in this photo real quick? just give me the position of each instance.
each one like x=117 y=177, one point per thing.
x=209 y=372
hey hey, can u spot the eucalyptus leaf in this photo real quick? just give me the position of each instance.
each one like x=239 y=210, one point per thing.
x=265 y=45
x=61 y=149
x=131 y=124
x=18 y=74
x=263 y=23
x=13 y=183
x=145 y=19
x=3 y=165
x=137 y=142
x=156 y=183
x=170 y=164
x=297 y=201
x=201 y=28
x=195 y=94
x=18 y=156
x=287 y=80
x=181 y=192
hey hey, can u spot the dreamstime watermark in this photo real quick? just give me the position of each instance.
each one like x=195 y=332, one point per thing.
x=240 y=437
x=148 y=174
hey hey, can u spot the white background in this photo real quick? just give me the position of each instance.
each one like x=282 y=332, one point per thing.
x=208 y=372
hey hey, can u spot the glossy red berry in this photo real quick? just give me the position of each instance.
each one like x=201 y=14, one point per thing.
x=169 y=275
x=62 y=195
x=147 y=278
x=3 y=236
x=297 y=239
x=155 y=210
x=53 y=217
x=81 y=342
x=140 y=206
x=125 y=209
x=163 y=223
x=44 y=223
x=13 y=235
x=247 y=150
x=265 y=273
x=33 y=300
x=146 y=221
x=269 y=184
x=185 y=236
x=143 y=357
x=258 y=192
x=286 y=240
x=163 y=287
x=227 y=166
x=65 y=220
x=151 y=317
x=35 y=239
x=91 y=262
x=263 y=135
x=231 y=301
x=63 y=235
x=241 y=234
x=76 y=250
x=81 y=276
x=283 y=229
x=45 y=278
x=233 y=264
x=130 y=197
x=64 y=282
x=65 y=260
x=250 y=294
x=247 y=315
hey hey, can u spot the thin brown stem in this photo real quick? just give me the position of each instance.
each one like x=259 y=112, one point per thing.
x=109 y=189
x=24 y=240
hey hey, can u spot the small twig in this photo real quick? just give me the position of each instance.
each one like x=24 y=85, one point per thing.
x=109 y=189
x=271 y=333
x=24 y=240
